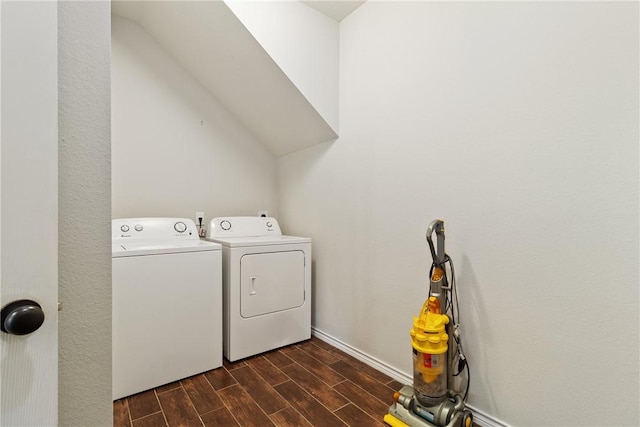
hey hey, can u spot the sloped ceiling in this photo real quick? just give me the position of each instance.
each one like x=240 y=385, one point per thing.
x=336 y=9
x=208 y=40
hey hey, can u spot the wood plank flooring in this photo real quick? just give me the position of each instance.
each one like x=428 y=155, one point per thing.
x=309 y=384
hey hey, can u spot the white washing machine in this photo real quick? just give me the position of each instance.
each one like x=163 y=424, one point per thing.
x=167 y=303
x=266 y=282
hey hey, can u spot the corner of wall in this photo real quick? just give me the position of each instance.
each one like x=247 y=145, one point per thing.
x=84 y=209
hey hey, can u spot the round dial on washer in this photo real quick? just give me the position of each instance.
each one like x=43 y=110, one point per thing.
x=180 y=227
x=138 y=227
x=225 y=225
x=269 y=224
x=124 y=228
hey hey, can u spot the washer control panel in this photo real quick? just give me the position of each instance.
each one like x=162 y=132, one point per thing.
x=243 y=226
x=149 y=229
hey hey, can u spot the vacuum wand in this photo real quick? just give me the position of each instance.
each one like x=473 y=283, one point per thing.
x=438 y=276
x=436 y=226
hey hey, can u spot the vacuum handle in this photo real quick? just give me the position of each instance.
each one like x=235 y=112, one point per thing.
x=436 y=226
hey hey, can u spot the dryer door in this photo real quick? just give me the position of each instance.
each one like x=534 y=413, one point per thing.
x=271 y=282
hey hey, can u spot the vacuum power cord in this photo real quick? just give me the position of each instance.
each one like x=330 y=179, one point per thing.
x=453 y=309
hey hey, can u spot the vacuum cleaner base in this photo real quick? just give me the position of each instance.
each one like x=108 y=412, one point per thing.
x=404 y=412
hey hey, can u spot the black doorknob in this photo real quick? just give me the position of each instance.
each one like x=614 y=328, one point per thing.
x=21 y=317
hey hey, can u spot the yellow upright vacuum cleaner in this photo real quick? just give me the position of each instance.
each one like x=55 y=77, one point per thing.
x=437 y=360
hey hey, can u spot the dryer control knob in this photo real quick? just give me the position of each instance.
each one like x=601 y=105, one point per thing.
x=225 y=225
x=269 y=224
x=180 y=227
x=138 y=227
x=124 y=228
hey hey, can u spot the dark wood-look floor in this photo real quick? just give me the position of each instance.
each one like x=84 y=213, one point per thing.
x=305 y=384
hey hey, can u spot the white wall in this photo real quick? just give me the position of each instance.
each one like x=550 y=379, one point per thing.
x=84 y=200
x=516 y=123
x=175 y=149
x=304 y=44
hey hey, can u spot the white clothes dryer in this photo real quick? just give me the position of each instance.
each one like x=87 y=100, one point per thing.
x=266 y=282
x=167 y=303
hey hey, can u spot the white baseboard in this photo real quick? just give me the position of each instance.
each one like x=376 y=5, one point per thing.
x=485 y=420
x=363 y=357
x=480 y=418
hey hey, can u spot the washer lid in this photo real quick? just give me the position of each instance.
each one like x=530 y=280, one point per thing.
x=125 y=249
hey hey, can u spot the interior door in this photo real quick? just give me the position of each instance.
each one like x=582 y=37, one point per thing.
x=28 y=212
